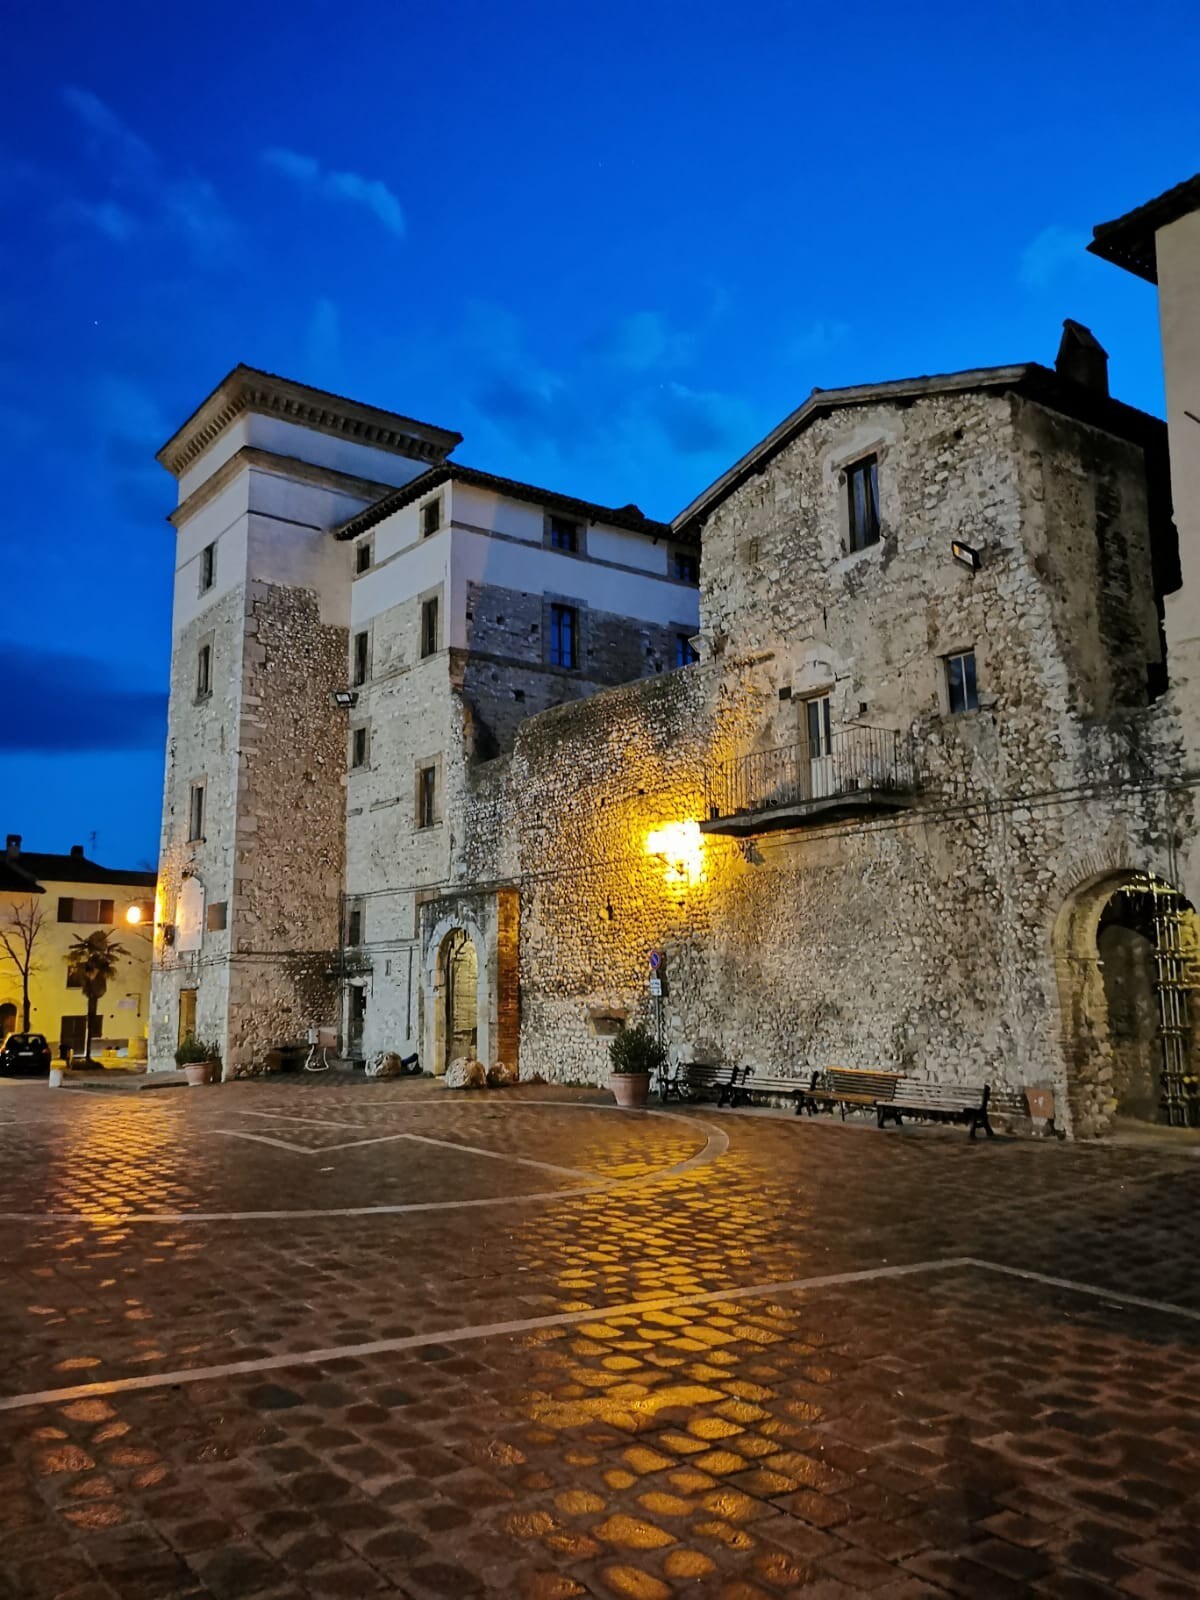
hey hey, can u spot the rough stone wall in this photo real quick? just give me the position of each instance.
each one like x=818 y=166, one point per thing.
x=290 y=825
x=504 y=674
x=202 y=742
x=930 y=938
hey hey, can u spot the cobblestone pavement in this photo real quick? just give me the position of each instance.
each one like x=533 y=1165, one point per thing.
x=328 y=1340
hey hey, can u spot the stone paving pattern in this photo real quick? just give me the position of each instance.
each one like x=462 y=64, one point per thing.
x=951 y=1432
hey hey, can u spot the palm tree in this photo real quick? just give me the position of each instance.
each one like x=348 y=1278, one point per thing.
x=93 y=960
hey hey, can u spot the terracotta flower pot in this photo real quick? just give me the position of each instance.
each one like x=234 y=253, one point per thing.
x=630 y=1088
x=199 y=1073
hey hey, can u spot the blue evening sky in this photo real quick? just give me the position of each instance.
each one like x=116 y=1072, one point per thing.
x=612 y=243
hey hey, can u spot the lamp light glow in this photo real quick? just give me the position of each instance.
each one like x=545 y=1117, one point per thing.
x=680 y=845
x=134 y=915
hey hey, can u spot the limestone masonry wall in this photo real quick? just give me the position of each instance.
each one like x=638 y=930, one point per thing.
x=930 y=937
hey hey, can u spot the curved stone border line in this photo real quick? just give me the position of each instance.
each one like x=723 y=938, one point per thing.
x=715 y=1146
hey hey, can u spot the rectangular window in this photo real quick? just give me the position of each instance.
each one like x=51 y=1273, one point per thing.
x=216 y=916
x=354 y=924
x=862 y=489
x=429 y=626
x=961 y=691
x=431 y=517
x=563 y=534
x=685 y=650
x=358 y=747
x=196 y=812
x=685 y=566
x=203 y=671
x=74 y=980
x=362 y=659
x=564 y=636
x=362 y=556
x=426 y=797
x=208 y=567
x=93 y=911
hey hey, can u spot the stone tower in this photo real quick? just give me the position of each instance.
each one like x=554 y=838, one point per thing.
x=253 y=828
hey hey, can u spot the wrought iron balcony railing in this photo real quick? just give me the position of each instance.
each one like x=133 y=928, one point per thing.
x=859 y=769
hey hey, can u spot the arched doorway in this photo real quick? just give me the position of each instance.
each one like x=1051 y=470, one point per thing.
x=1129 y=979
x=460 y=995
x=8 y=1018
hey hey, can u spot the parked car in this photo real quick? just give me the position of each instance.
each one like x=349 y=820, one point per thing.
x=25 y=1052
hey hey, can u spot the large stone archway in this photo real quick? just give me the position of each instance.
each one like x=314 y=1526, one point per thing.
x=1125 y=945
x=490 y=924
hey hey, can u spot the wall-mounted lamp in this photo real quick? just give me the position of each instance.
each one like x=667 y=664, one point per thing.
x=964 y=554
x=344 y=699
x=680 y=846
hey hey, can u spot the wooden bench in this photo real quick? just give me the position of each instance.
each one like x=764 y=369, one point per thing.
x=694 y=1080
x=852 y=1086
x=799 y=1089
x=938 y=1102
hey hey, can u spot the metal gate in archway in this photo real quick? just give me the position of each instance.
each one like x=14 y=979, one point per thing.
x=1176 y=981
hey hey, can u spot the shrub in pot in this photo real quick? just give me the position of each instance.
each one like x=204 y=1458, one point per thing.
x=200 y=1061
x=634 y=1055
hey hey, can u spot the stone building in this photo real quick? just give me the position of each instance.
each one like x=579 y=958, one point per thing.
x=921 y=801
x=923 y=780
x=358 y=624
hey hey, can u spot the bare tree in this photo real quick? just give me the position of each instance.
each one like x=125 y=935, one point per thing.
x=19 y=934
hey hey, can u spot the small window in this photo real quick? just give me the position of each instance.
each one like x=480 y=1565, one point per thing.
x=685 y=566
x=362 y=658
x=429 y=626
x=74 y=978
x=208 y=567
x=203 y=671
x=93 y=911
x=563 y=534
x=564 y=636
x=196 y=812
x=431 y=517
x=862 y=490
x=426 y=797
x=362 y=556
x=354 y=924
x=216 y=916
x=358 y=747
x=961 y=691
x=685 y=650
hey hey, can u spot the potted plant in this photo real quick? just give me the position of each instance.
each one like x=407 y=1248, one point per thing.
x=633 y=1056
x=201 y=1062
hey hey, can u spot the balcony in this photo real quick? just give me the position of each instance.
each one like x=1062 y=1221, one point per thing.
x=858 y=772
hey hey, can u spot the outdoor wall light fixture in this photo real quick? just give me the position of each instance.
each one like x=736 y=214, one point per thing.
x=680 y=847
x=344 y=699
x=965 y=554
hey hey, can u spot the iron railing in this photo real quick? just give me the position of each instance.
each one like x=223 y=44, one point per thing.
x=857 y=761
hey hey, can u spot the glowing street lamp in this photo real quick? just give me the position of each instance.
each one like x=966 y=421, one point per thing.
x=680 y=846
x=133 y=916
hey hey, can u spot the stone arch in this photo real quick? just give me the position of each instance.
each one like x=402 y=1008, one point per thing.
x=456 y=949
x=1122 y=976
x=8 y=1017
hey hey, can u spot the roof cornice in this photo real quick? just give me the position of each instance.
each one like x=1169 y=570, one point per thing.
x=290 y=467
x=246 y=389
x=1131 y=241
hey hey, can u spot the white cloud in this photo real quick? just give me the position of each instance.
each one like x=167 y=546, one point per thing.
x=1049 y=253
x=106 y=216
x=152 y=199
x=370 y=193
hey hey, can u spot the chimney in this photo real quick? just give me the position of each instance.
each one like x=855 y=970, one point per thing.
x=1082 y=358
x=76 y=852
x=13 y=846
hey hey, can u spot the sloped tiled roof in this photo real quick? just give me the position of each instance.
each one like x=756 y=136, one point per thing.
x=1129 y=242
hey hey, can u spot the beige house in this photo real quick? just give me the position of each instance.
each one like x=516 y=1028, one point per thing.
x=70 y=897
x=1160 y=242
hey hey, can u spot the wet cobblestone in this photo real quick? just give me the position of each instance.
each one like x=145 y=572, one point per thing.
x=550 y=1417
